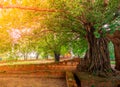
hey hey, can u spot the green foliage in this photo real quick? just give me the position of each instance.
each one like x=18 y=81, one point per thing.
x=92 y=86
x=111 y=51
x=79 y=47
x=64 y=50
x=74 y=14
x=58 y=31
x=97 y=35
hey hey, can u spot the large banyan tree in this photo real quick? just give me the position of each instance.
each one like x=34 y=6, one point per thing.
x=89 y=19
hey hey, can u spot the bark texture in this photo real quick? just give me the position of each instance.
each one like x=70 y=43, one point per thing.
x=57 y=56
x=37 y=56
x=96 y=60
x=115 y=38
x=25 y=56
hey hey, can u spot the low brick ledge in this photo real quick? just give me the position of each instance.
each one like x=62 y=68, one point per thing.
x=69 y=65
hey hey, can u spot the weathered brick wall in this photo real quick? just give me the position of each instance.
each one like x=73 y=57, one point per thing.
x=51 y=69
x=61 y=66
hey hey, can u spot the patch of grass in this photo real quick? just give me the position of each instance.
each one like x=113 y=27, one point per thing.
x=112 y=62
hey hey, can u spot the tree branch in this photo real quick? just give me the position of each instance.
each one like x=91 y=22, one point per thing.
x=29 y=8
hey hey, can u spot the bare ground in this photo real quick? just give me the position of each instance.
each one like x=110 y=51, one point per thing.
x=31 y=82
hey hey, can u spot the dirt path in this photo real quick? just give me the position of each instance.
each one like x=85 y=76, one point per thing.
x=31 y=82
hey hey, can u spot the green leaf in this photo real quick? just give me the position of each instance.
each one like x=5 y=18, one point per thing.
x=97 y=35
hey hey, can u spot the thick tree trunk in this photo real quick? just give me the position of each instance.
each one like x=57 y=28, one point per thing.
x=57 y=56
x=96 y=59
x=117 y=56
x=115 y=38
x=25 y=56
x=37 y=56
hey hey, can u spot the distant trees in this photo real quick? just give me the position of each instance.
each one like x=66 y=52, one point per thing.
x=12 y=18
x=5 y=41
x=51 y=42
